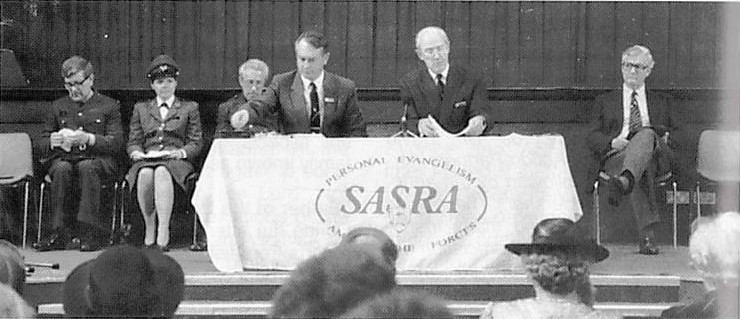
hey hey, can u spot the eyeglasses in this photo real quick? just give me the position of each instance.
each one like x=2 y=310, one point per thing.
x=628 y=65
x=442 y=49
x=70 y=85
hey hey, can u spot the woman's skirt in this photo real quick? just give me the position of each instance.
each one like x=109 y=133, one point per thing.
x=179 y=169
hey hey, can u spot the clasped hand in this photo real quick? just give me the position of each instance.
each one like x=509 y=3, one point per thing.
x=66 y=139
x=166 y=154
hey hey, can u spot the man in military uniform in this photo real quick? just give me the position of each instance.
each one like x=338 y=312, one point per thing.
x=242 y=116
x=82 y=133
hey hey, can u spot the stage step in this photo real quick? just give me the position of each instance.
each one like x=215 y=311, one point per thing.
x=259 y=309
x=260 y=286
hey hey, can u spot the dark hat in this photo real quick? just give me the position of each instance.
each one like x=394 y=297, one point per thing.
x=125 y=281
x=162 y=66
x=560 y=234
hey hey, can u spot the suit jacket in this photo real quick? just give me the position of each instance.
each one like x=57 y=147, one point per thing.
x=100 y=115
x=258 y=114
x=607 y=118
x=465 y=96
x=721 y=303
x=341 y=118
x=180 y=129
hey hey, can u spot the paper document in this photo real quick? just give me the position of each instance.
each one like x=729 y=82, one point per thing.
x=441 y=132
x=156 y=154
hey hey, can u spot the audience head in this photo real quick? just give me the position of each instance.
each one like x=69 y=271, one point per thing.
x=12 y=304
x=163 y=73
x=433 y=47
x=12 y=266
x=715 y=249
x=78 y=77
x=311 y=54
x=329 y=284
x=125 y=281
x=375 y=238
x=559 y=256
x=253 y=75
x=401 y=303
x=637 y=63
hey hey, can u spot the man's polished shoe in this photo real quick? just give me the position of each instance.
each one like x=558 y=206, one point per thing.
x=647 y=247
x=57 y=241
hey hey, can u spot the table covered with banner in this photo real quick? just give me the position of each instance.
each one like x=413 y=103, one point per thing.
x=448 y=203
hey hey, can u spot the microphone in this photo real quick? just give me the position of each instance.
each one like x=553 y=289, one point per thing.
x=404 y=116
x=44 y=265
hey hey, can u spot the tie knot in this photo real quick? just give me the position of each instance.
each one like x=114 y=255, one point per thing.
x=164 y=105
x=439 y=77
x=312 y=86
x=634 y=94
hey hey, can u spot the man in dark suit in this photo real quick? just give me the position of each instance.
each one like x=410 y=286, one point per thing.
x=629 y=134
x=239 y=116
x=83 y=134
x=311 y=100
x=454 y=95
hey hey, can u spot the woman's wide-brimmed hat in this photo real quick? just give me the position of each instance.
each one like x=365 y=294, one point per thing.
x=560 y=234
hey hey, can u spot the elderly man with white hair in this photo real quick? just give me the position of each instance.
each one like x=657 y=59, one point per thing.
x=452 y=94
x=715 y=254
x=629 y=134
x=244 y=114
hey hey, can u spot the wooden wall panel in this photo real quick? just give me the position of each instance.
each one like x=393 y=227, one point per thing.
x=515 y=44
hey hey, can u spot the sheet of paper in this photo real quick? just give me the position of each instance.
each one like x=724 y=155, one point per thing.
x=441 y=132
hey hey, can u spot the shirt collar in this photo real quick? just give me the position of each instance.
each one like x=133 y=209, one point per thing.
x=170 y=101
x=444 y=74
x=628 y=90
x=319 y=82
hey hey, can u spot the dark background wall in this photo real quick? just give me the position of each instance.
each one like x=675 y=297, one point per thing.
x=517 y=44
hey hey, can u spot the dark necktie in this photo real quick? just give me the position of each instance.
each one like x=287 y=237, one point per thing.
x=440 y=86
x=315 y=117
x=635 y=120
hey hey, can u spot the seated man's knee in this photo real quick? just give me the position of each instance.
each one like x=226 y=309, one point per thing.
x=145 y=175
x=60 y=169
x=88 y=167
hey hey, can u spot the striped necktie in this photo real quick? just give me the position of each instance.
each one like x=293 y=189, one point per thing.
x=635 y=119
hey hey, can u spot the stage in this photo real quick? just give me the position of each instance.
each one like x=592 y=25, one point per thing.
x=627 y=283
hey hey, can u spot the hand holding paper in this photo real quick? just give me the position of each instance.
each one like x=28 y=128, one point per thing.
x=239 y=119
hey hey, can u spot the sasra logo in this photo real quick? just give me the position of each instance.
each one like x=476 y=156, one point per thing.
x=404 y=194
x=418 y=199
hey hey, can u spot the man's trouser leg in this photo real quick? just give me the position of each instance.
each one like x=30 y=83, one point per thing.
x=62 y=192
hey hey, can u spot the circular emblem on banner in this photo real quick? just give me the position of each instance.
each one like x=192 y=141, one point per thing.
x=417 y=200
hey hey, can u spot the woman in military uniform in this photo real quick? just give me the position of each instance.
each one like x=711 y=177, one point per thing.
x=165 y=137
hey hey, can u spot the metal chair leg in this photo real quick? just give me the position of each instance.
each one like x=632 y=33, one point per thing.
x=698 y=200
x=41 y=210
x=675 y=215
x=25 y=213
x=597 y=212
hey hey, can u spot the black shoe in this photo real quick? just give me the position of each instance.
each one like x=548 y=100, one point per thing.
x=164 y=248
x=57 y=241
x=614 y=189
x=199 y=246
x=647 y=247
x=90 y=245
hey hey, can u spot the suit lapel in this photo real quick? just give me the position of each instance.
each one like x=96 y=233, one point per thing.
x=330 y=91
x=174 y=109
x=454 y=80
x=429 y=89
x=154 y=110
x=298 y=108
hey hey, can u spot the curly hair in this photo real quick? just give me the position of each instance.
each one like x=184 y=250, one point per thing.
x=12 y=266
x=714 y=248
x=560 y=272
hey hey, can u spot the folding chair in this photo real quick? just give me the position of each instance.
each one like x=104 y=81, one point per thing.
x=717 y=161
x=16 y=168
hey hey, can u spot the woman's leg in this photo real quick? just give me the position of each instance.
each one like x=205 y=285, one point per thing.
x=164 y=198
x=145 y=194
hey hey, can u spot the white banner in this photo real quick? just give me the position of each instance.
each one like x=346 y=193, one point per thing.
x=450 y=204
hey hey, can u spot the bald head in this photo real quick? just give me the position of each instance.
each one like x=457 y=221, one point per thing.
x=433 y=47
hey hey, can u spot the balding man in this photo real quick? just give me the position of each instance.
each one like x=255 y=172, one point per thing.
x=242 y=116
x=629 y=134
x=454 y=95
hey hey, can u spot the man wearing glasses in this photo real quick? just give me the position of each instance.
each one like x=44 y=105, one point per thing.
x=630 y=131
x=81 y=136
x=453 y=95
